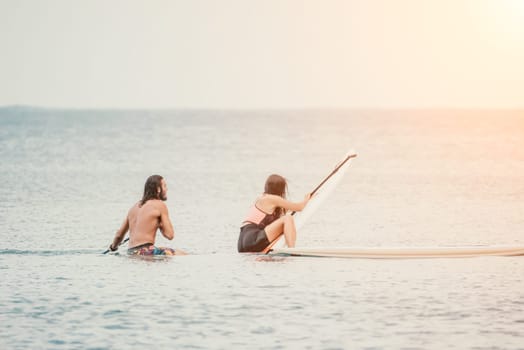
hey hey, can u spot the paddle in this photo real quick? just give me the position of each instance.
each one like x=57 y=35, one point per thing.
x=108 y=250
x=337 y=168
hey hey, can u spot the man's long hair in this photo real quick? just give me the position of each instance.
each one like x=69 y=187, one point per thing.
x=153 y=184
x=277 y=185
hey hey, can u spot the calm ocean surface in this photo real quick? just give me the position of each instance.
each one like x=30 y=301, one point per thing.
x=422 y=178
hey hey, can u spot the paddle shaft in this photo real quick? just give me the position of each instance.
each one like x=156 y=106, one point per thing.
x=337 y=168
x=333 y=172
x=108 y=250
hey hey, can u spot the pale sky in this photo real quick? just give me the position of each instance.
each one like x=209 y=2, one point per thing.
x=262 y=54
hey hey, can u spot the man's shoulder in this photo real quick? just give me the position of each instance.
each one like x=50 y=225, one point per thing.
x=135 y=206
x=157 y=203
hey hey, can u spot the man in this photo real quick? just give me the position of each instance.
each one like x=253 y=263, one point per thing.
x=143 y=220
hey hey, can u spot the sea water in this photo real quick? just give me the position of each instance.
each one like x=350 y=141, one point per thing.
x=421 y=178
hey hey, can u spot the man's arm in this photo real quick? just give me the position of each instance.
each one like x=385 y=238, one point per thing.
x=120 y=234
x=165 y=225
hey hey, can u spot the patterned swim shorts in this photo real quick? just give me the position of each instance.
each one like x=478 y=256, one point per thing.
x=149 y=249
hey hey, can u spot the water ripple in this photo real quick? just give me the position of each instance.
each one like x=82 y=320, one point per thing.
x=48 y=252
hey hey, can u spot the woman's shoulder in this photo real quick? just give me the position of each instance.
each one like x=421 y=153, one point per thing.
x=269 y=198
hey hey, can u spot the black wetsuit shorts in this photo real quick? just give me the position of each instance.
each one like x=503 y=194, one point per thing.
x=252 y=238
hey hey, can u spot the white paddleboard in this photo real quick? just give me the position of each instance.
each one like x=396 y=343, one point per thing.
x=403 y=252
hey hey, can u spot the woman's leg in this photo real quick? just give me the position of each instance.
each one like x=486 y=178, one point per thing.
x=285 y=224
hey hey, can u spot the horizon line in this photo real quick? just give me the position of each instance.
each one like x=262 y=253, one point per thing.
x=297 y=108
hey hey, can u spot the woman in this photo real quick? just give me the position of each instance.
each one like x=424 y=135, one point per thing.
x=266 y=219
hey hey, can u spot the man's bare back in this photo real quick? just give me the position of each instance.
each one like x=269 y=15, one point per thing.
x=145 y=220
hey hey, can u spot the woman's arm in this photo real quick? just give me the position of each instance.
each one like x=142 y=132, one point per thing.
x=278 y=201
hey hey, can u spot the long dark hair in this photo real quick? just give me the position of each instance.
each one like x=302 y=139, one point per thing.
x=277 y=185
x=153 y=183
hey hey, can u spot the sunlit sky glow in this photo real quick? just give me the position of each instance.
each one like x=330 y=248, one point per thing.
x=262 y=54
